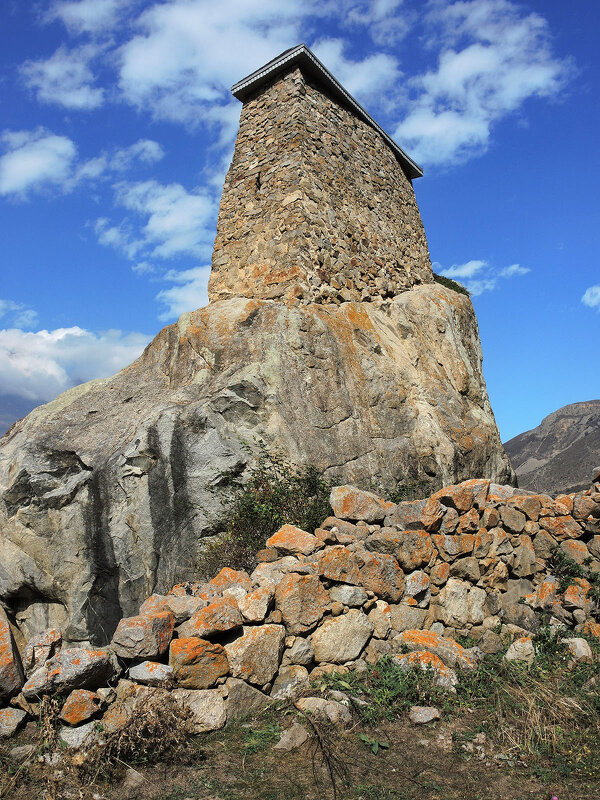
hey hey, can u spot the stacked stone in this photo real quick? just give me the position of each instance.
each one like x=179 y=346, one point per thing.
x=315 y=207
x=377 y=578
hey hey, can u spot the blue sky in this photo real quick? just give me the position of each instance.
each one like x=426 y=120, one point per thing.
x=117 y=126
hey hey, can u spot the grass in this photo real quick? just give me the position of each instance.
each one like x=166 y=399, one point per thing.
x=522 y=729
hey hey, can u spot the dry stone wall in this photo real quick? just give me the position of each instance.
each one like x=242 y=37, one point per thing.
x=376 y=579
x=315 y=205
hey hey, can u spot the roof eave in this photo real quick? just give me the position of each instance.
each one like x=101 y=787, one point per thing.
x=302 y=56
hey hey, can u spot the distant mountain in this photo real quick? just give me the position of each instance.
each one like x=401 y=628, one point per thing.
x=560 y=454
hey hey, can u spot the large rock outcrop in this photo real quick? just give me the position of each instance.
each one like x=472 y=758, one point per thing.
x=349 y=358
x=108 y=490
x=559 y=455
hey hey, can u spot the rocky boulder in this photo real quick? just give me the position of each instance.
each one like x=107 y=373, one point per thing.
x=120 y=468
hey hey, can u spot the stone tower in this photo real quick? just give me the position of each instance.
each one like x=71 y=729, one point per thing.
x=318 y=203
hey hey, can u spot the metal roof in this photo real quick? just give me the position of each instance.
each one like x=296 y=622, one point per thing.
x=302 y=56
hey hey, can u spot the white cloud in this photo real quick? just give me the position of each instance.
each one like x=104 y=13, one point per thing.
x=478 y=276
x=189 y=52
x=64 y=79
x=144 y=150
x=17 y=314
x=513 y=271
x=591 y=297
x=467 y=270
x=492 y=59
x=388 y=21
x=176 y=222
x=372 y=76
x=33 y=160
x=189 y=293
x=37 y=366
x=89 y=16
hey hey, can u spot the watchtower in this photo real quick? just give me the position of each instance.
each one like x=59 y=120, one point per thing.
x=318 y=203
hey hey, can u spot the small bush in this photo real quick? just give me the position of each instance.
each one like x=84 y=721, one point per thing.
x=567 y=569
x=275 y=493
x=155 y=732
x=450 y=284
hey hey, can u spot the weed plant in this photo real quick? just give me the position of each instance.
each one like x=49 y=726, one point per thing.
x=275 y=493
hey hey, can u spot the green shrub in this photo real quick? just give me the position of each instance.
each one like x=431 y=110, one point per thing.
x=275 y=493
x=450 y=284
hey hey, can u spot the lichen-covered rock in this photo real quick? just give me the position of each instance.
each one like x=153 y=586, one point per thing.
x=79 y=706
x=206 y=706
x=412 y=549
x=450 y=652
x=255 y=656
x=196 y=663
x=338 y=564
x=564 y=527
x=181 y=606
x=381 y=618
x=11 y=672
x=243 y=699
x=380 y=573
x=151 y=673
x=348 y=502
x=301 y=599
x=11 y=720
x=40 y=648
x=291 y=681
x=328 y=710
x=290 y=540
x=227 y=578
x=521 y=649
x=220 y=616
x=144 y=636
x=72 y=669
x=342 y=639
x=255 y=606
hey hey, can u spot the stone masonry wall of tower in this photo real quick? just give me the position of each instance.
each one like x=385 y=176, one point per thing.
x=315 y=207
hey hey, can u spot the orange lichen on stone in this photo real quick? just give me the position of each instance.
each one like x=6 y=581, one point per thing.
x=291 y=540
x=380 y=573
x=454 y=545
x=432 y=515
x=451 y=653
x=440 y=573
x=575 y=549
x=197 y=664
x=228 y=577
x=564 y=527
x=338 y=564
x=301 y=600
x=348 y=502
x=469 y=522
x=576 y=594
x=592 y=628
x=461 y=497
x=219 y=616
x=80 y=705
